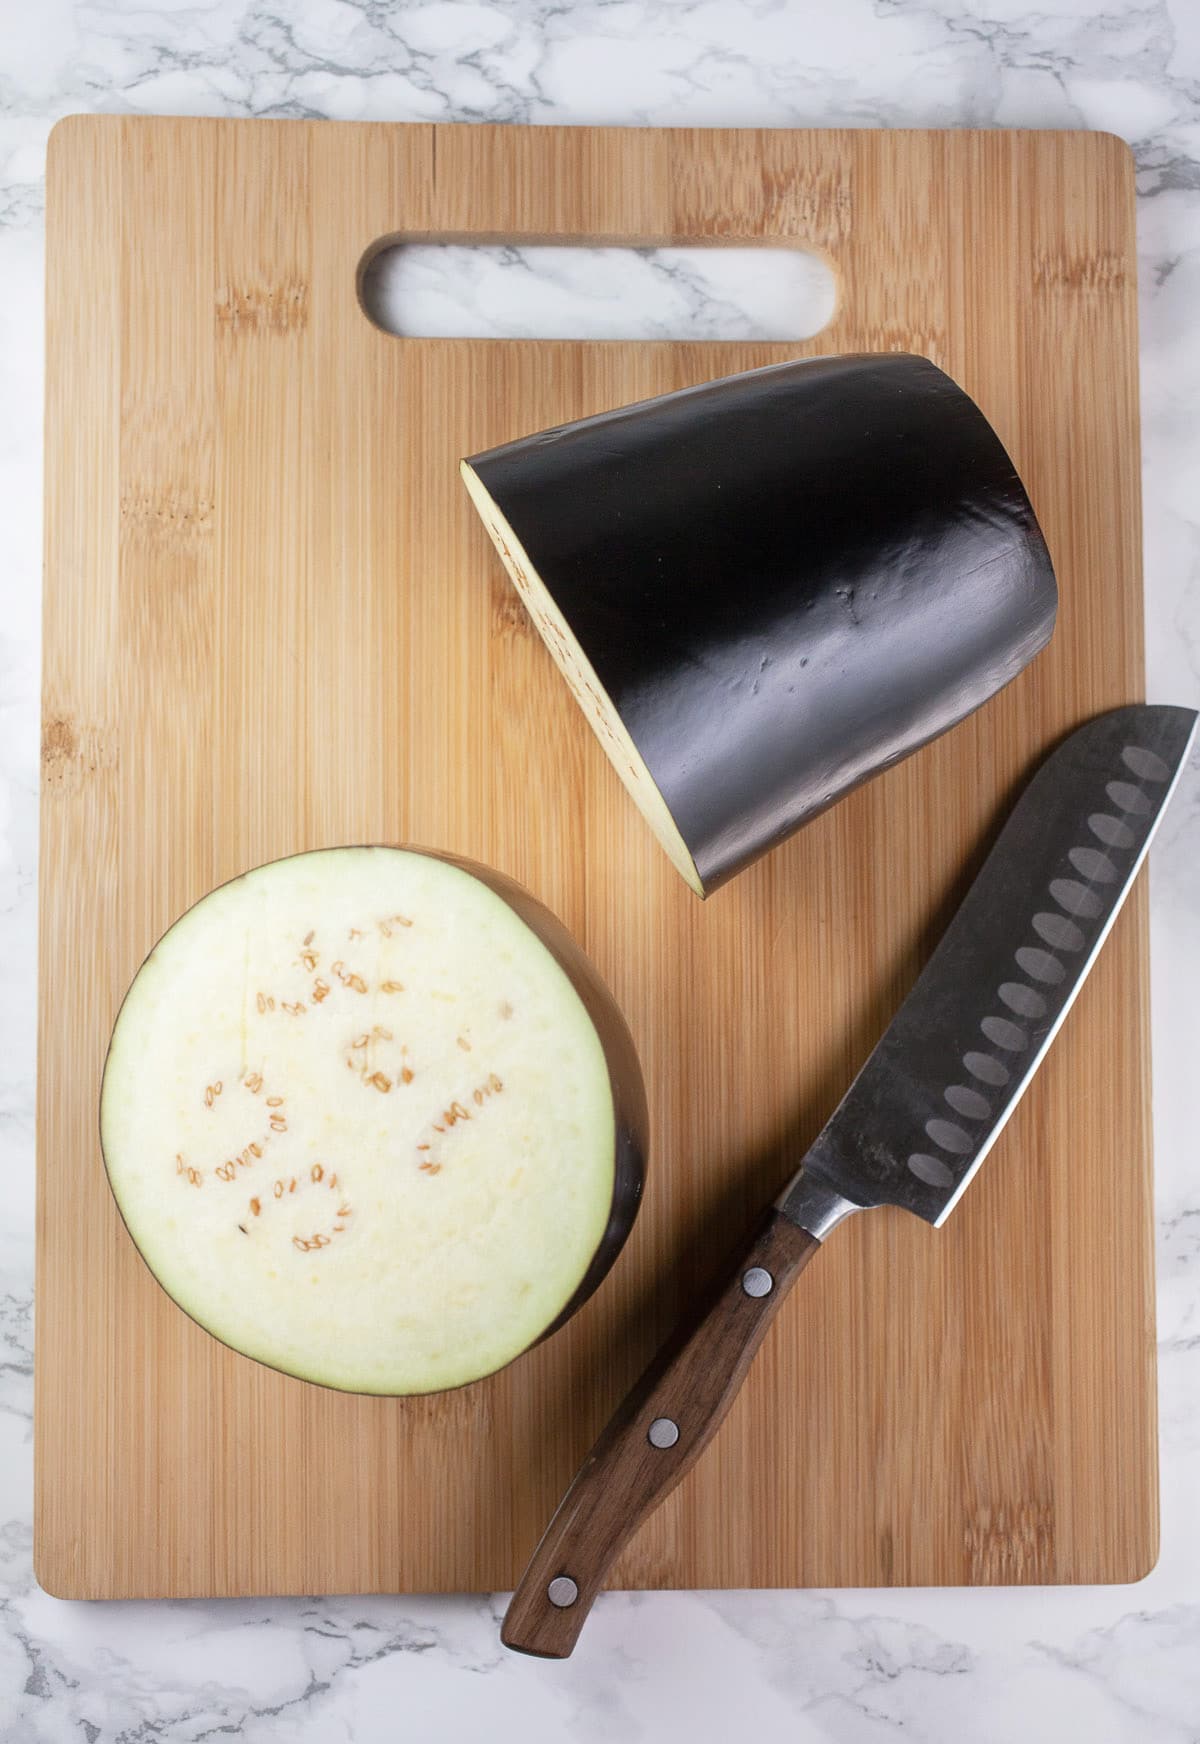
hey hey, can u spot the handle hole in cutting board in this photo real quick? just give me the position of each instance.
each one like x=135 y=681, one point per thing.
x=505 y=291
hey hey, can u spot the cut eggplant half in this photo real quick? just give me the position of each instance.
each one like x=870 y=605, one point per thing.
x=767 y=589
x=372 y=1118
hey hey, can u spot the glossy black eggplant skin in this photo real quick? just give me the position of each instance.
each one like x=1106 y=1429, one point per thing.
x=785 y=580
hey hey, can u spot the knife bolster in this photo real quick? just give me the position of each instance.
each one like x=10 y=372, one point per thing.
x=810 y=1201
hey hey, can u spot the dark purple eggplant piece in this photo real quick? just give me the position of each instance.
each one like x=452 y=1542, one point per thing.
x=767 y=589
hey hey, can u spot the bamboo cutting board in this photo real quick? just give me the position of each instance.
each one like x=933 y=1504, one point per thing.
x=273 y=622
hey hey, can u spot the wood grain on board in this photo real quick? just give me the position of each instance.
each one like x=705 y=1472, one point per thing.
x=274 y=622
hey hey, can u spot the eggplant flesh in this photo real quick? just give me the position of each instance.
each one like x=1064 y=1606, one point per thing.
x=372 y=1118
x=766 y=589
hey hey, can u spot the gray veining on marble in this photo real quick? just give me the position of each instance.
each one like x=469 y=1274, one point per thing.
x=1111 y=1665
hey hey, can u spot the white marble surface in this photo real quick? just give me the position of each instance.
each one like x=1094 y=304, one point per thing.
x=1112 y=1665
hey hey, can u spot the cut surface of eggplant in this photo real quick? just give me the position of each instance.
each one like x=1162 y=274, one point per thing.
x=372 y=1118
x=766 y=589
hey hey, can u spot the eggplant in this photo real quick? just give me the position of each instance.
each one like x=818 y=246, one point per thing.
x=372 y=1118
x=768 y=588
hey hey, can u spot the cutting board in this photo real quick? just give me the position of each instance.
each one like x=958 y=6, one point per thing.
x=273 y=622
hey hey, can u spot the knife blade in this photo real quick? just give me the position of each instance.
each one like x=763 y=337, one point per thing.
x=935 y=1094
x=911 y=1130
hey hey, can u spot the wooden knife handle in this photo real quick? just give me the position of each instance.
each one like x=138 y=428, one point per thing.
x=656 y=1436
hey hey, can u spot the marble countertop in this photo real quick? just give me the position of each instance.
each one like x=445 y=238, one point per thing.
x=1115 y=1665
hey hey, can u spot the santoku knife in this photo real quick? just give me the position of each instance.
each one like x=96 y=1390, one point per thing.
x=911 y=1130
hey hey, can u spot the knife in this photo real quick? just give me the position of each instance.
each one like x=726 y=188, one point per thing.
x=911 y=1130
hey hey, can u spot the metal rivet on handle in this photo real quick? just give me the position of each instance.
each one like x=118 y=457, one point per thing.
x=562 y=1591
x=663 y=1432
x=757 y=1281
